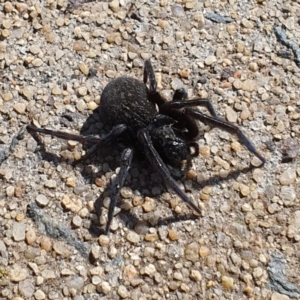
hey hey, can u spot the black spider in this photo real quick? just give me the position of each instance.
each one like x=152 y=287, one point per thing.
x=163 y=131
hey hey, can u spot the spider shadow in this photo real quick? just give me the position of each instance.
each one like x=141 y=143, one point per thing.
x=93 y=126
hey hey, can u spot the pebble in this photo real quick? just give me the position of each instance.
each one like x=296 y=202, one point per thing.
x=37 y=62
x=77 y=221
x=20 y=107
x=26 y=288
x=56 y=90
x=204 y=251
x=227 y=282
x=18 y=231
x=191 y=252
x=195 y=275
x=72 y=204
x=288 y=177
x=244 y=189
x=39 y=295
x=61 y=249
x=277 y=296
x=173 y=234
x=18 y=274
x=231 y=115
x=30 y=237
x=149 y=204
x=133 y=237
x=104 y=288
x=210 y=60
x=130 y=272
x=51 y=184
x=42 y=200
x=84 y=68
x=123 y=292
x=45 y=243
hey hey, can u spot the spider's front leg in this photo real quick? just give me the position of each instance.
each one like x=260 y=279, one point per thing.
x=159 y=165
x=222 y=124
x=118 y=184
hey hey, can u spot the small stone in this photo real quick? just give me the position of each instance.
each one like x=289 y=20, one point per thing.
x=149 y=204
x=210 y=60
x=287 y=177
x=80 y=45
x=195 y=275
x=191 y=252
x=10 y=191
x=237 y=84
x=130 y=272
x=227 y=282
x=123 y=292
x=103 y=240
x=30 y=237
x=56 y=90
x=8 y=7
x=92 y=105
x=249 y=85
x=71 y=181
x=104 y=288
x=277 y=296
x=39 y=295
x=48 y=274
x=26 y=288
x=126 y=192
x=18 y=231
x=114 y=5
x=95 y=252
x=61 y=249
x=204 y=251
x=174 y=235
x=244 y=189
x=18 y=274
x=59 y=54
x=20 y=107
x=84 y=68
x=133 y=237
x=37 y=62
x=82 y=91
x=184 y=73
x=150 y=270
x=46 y=243
x=72 y=204
x=60 y=21
x=253 y=67
x=224 y=164
x=42 y=200
x=231 y=115
x=51 y=184
x=77 y=221
x=7 y=96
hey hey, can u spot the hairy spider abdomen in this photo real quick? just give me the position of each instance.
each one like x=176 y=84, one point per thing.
x=125 y=100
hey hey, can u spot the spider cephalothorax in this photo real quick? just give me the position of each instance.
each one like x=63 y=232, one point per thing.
x=163 y=131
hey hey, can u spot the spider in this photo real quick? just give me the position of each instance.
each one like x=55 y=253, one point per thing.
x=164 y=132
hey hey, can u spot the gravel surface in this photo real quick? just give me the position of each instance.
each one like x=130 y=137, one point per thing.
x=56 y=57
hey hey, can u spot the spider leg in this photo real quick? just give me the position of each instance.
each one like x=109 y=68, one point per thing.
x=118 y=184
x=149 y=74
x=157 y=162
x=220 y=123
x=104 y=142
x=177 y=104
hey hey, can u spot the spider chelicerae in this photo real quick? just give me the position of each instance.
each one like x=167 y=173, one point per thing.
x=164 y=132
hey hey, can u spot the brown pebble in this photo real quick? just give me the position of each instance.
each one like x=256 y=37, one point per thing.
x=46 y=243
x=30 y=237
x=174 y=235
